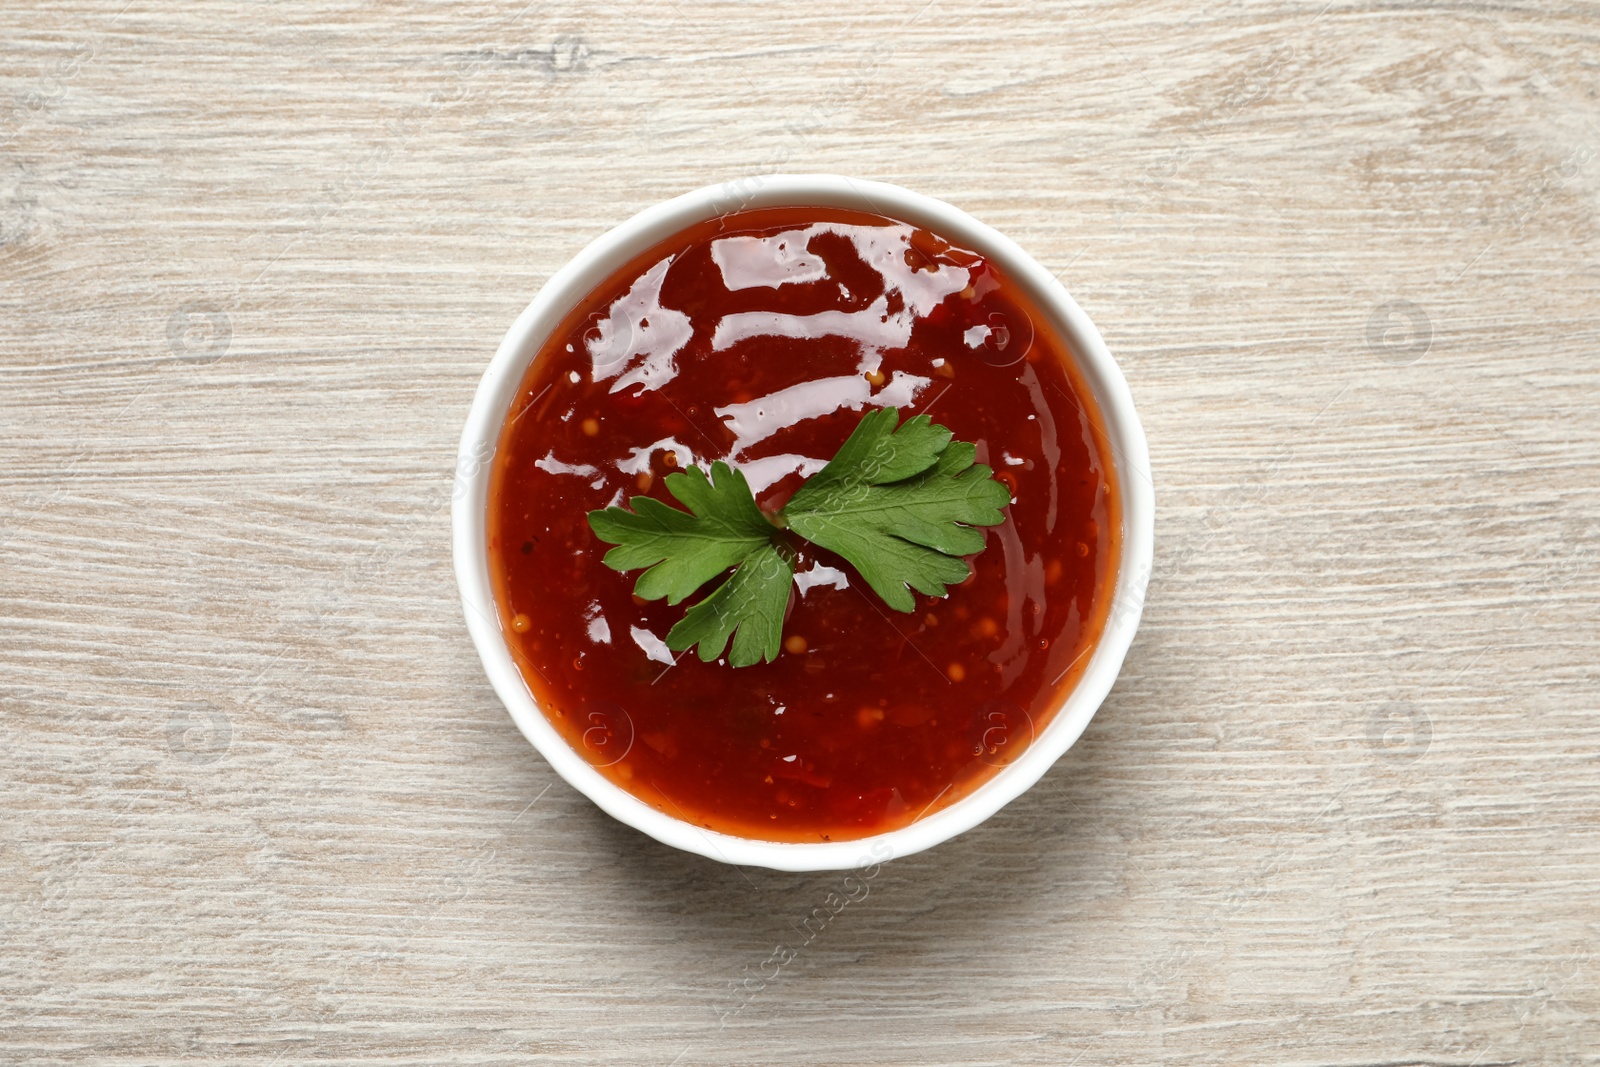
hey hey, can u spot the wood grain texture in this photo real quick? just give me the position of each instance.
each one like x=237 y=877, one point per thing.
x=259 y=805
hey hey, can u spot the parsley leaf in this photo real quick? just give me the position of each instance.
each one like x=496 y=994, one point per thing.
x=684 y=551
x=749 y=606
x=900 y=502
x=900 y=505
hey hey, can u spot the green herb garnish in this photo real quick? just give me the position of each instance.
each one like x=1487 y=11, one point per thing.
x=900 y=505
x=898 y=502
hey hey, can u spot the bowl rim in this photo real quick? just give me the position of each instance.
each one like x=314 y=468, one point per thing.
x=610 y=251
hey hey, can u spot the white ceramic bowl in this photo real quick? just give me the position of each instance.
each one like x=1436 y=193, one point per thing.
x=611 y=251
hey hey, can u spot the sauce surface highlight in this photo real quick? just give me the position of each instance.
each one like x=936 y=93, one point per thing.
x=761 y=338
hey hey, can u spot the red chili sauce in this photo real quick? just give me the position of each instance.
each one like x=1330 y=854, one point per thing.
x=761 y=338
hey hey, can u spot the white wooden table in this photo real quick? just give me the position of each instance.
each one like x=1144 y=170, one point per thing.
x=259 y=806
